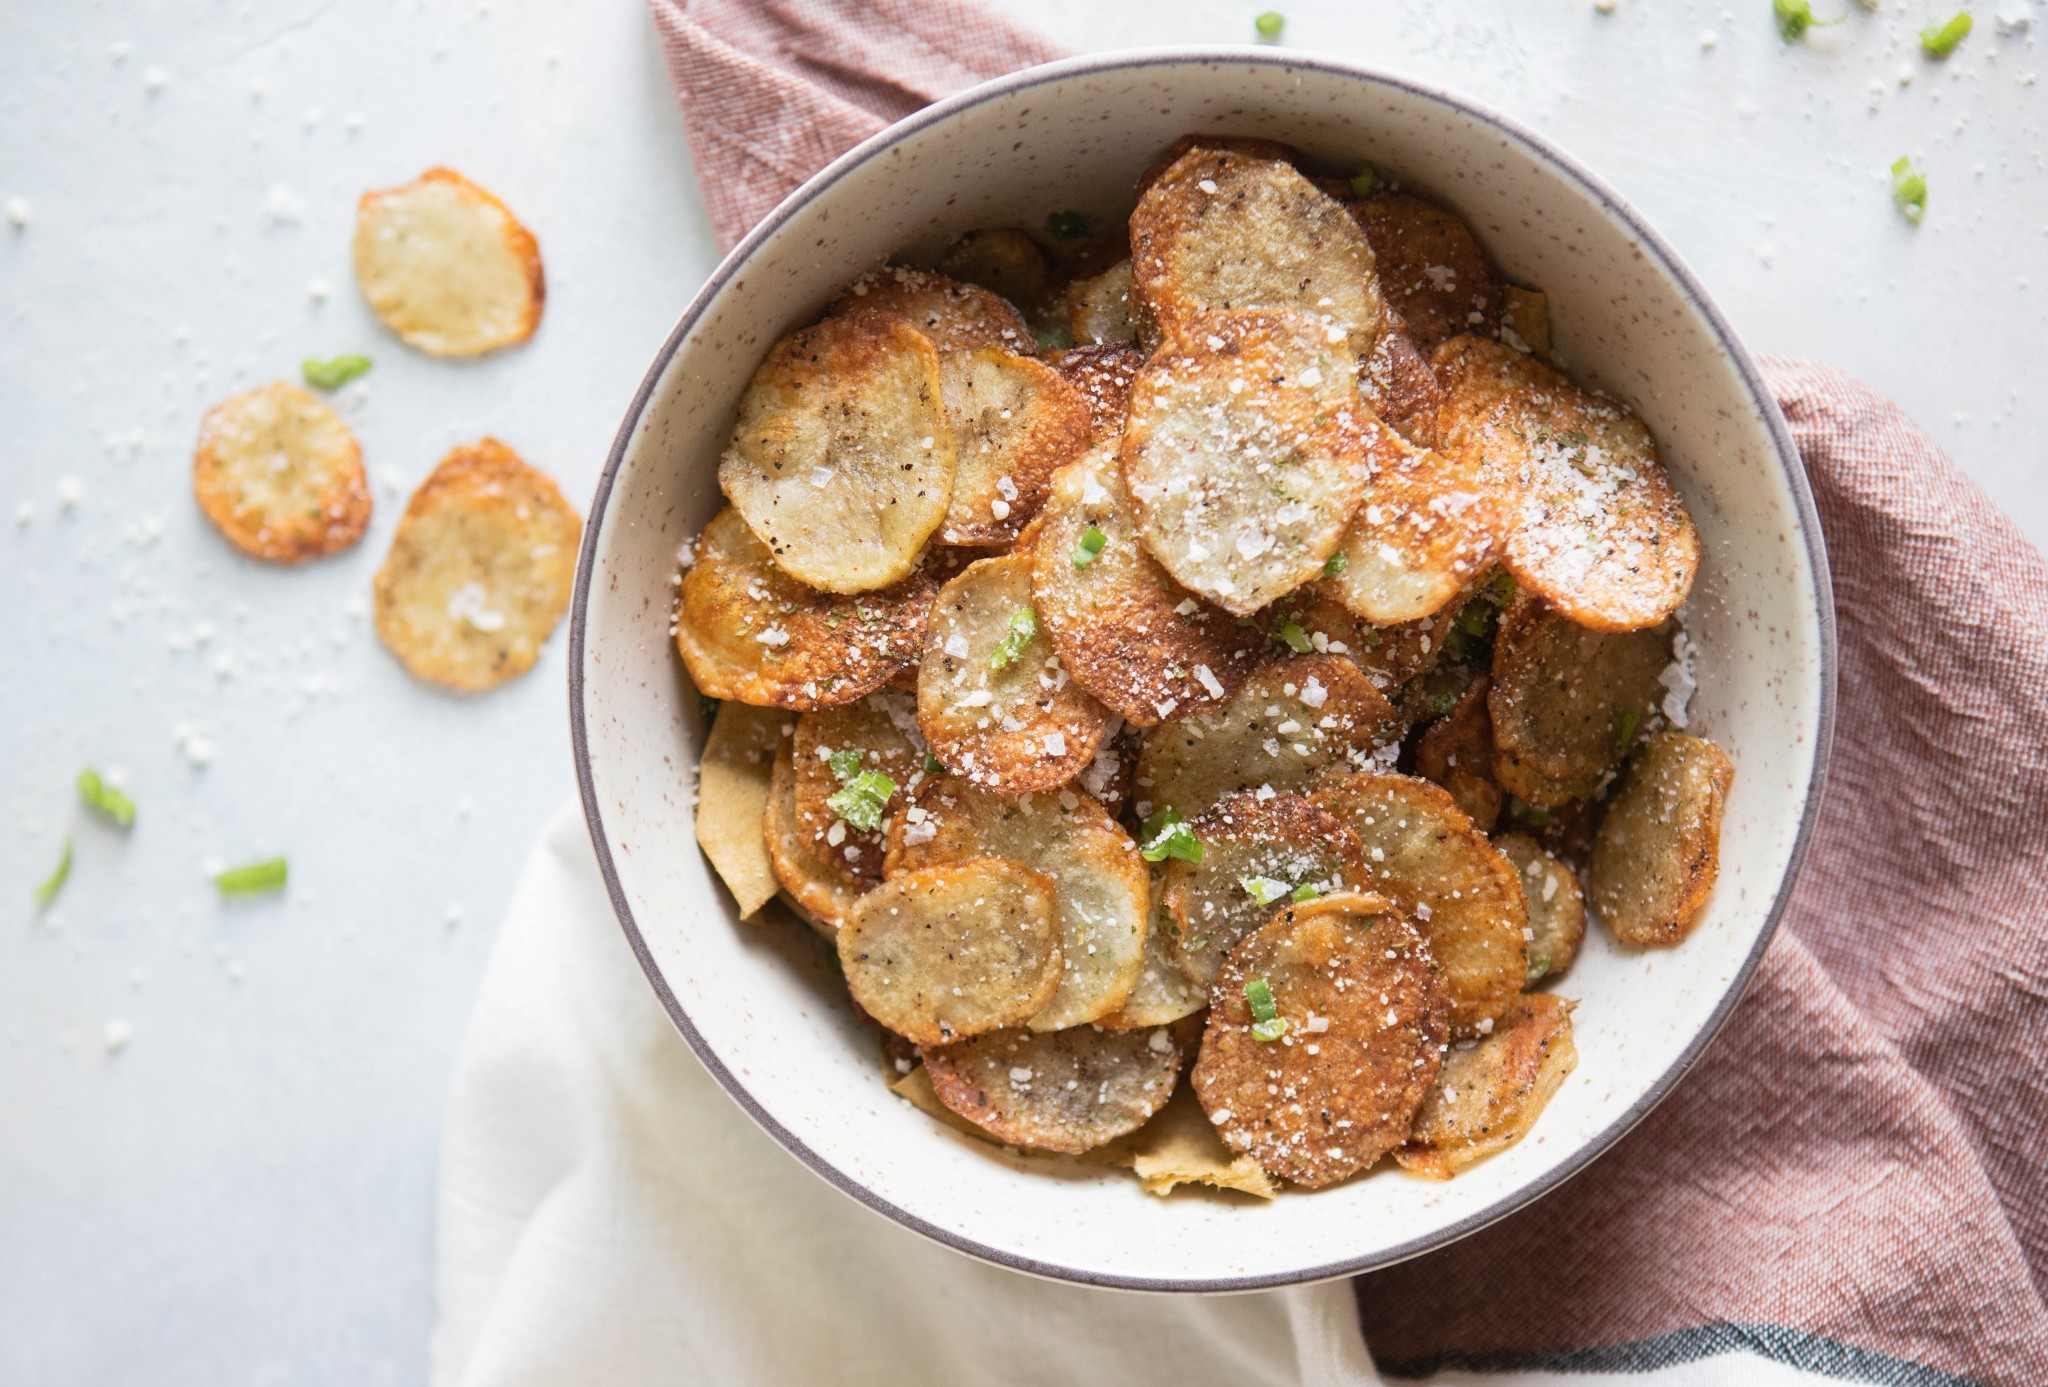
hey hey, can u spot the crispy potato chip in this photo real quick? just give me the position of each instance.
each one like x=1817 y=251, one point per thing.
x=1065 y=1091
x=733 y=781
x=1103 y=374
x=1124 y=631
x=1567 y=701
x=1245 y=456
x=1289 y=721
x=1103 y=883
x=1659 y=847
x=823 y=897
x=1430 y=269
x=1456 y=751
x=1365 y=1023
x=992 y=699
x=1164 y=992
x=1178 y=1147
x=1589 y=519
x=950 y=951
x=1526 y=314
x=881 y=732
x=1255 y=854
x=1220 y=231
x=1015 y=421
x=479 y=571
x=1557 y=907
x=842 y=461
x=1101 y=309
x=1424 y=534
x=915 y=1088
x=955 y=317
x=1490 y=1093
x=280 y=475
x=1425 y=856
x=1250 y=146
x=447 y=266
x=748 y=631
x=1005 y=262
x=1401 y=387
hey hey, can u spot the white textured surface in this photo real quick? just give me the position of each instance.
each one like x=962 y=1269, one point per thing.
x=243 y=1192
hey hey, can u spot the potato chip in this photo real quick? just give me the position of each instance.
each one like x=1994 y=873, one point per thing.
x=1107 y=779
x=447 y=266
x=1164 y=992
x=1490 y=1093
x=1289 y=721
x=1103 y=883
x=1067 y=1091
x=1015 y=421
x=1250 y=146
x=1103 y=374
x=992 y=699
x=915 y=1088
x=479 y=571
x=946 y=952
x=1006 y=263
x=1423 y=854
x=955 y=317
x=1257 y=854
x=1101 y=309
x=1402 y=387
x=1424 y=534
x=1456 y=752
x=733 y=781
x=1526 y=314
x=1567 y=701
x=842 y=461
x=1361 y=1012
x=879 y=736
x=1123 y=630
x=1220 y=231
x=1659 y=846
x=1589 y=519
x=748 y=631
x=1245 y=456
x=1557 y=907
x=1430 y=269
x=823 y=897
x=280 y=475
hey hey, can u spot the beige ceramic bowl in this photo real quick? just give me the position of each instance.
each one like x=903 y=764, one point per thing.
x=757 y=1006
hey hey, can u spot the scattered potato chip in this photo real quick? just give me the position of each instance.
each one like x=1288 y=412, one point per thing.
x=842 y=461
x=1424 y=534
x=992 y=699
x=823 y=897
x=1401 y=387
x=1589 y=519
x=1250 y=146
x=1015 y=421
x=447 y=266
x=748 y=631
x=280 y=475
x=1005 y=262
x=1065 y=1091
x=1527 y=315
x=734 y=778
x=876 y=738
x=1289 y=721
x=479 y=571
x=1101 y=309
x=1245 y=455
x=950 y=951
x=1490 y=1093
x=1123 y=630
x=1456 y=751
x=1659 y=847
x=1103 y=883
x=1425 y=856
x=1557 y=907
x=1179 y=1147
x=1567 y=701
x=1430 y=269
x=1103 y=374
x=955 y=317
x=1257 y=854
x=1361 y=1013
x=1221 y=231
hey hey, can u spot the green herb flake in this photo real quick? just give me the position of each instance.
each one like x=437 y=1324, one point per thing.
x=54 y=882
x=252 y=879
x=1365 y=180
x=1289 y=633
x=1307 y=891
x=933 y=765
x=1023 y=628
x=1909 y=190
x=1269 y=25
x=1795 y=17
x=1166 y=835
x=1500 y=590
x=1068 y=226
x=1335 y=564
x=1940 y=40
x=104 y=799
x=845 y=764
x=1522 y=812
x=1262 y=890
x=861 y=800
x=1092 y=543
x=334 y=372
x=1625 y=734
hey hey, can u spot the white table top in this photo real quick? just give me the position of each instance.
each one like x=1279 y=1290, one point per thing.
x=244 y=1193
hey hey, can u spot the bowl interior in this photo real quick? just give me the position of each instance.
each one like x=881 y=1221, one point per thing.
x=757 y=1003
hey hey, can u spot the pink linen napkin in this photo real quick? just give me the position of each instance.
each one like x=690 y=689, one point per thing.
x=1854 y=1180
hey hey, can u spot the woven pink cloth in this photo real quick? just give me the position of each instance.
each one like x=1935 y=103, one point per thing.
x=1855 y=1178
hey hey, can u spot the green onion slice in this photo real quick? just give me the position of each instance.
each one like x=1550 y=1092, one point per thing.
x=1625 y=734
x=1795 y=17
x=1270 y=24
x=105 y=799
x=1365 y=180
x=1092 y=542
x=1269 y=1031
x=334 y=372
x=1909 y=190
x=1289 y=633
x=845 y=764
x=861 y=800
x=257 y=876
x=54 y=882
x=933 y=765
x=1262 y=890
x=1166 y=835
x=1940 y=40
x=1023 y=627
x=1335 y=564
x=1307 y=891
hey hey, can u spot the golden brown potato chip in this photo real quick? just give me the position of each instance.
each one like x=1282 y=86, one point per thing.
x=280 y=475
x=1220 y=231
x=733 y=781
x=1015 y=421
x=1568 y=701
x=1424 y=534
x=1126 y=633
x=1065 y=1091
x=1557 y=907
x=1245 y=456
x=946 y=952
x=1401 y=387
x=1180 y=1147
x=842 y=461
x=1425 y=856
x=1164 y=992
x=447 y=266
x=1250 y=146
x=1103 y=374
x=1431 y=270
x=1005 y=262
x=955 y=317
x=479 y=571
x=823 y=897
x=1456 y=751
x=1289 y=721
x=1101 y=308
x=1490 y=1093
x=748 y=631
x=993 y=700
x=880 y=735
x=1589 y=519
x=1527 y=316
x=1256 y=854
x=1364 y=1016
x=1659 y=847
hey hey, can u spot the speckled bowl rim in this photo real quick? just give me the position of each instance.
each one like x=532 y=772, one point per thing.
x=1133 y=60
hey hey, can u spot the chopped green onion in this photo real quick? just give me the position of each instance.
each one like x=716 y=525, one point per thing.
x=1335 y=564
x=1023 y=627
x=1522 y=812
x=1267 y=1032
x=1055 y=339
x=1501 y=590
x=861 y=800
x=334 y=372
x=1795 y=17
x=1067 y=225
x=1940 y=40
x=1626 y=734
x=100 y=796
x=845 y=764
x=1473 y=618
x=1258 y=995
x=1365 y=180
x=257 y=876
x=1289 y=633
x=1307 y=891
x=1269 y=24
x=1166 y=835
x=1442 y=702
x=1262 y=890
x=933 y=765
x=1909 y=190
x=1092 y=542
x=54 y=883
